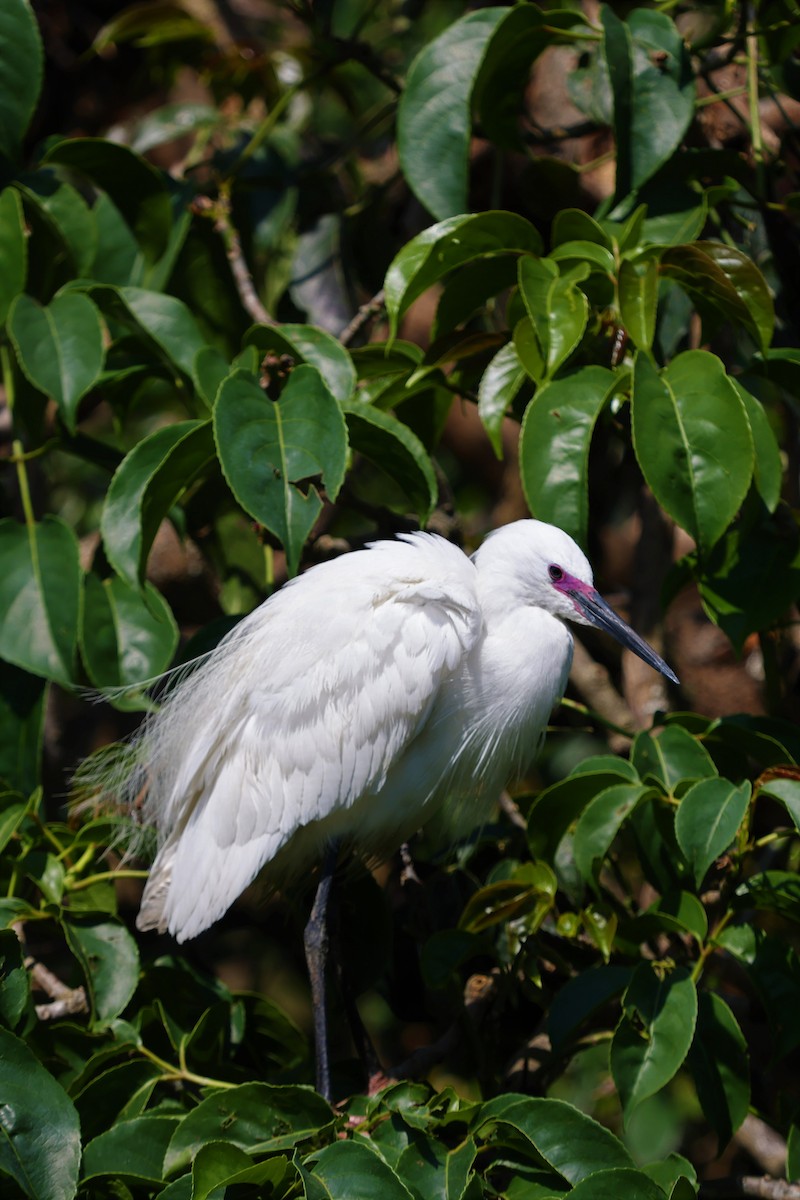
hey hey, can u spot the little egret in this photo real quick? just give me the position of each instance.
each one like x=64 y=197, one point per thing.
x=363 y=697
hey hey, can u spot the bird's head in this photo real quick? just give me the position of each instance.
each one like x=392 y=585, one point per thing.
x=539 y=564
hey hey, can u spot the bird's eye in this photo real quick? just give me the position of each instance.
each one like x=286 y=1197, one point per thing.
x=556 y=573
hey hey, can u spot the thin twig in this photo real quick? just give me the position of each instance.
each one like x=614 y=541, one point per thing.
x=750 y=1185
x=364 y=315
x=220 y=210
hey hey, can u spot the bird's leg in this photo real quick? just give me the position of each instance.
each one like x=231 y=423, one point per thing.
x=316 y=940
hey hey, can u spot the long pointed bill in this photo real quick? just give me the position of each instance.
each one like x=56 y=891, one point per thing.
x=598 y=613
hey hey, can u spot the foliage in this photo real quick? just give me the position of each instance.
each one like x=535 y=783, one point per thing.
x=650 y=907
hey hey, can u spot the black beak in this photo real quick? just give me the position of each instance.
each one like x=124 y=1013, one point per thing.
x=598 y=613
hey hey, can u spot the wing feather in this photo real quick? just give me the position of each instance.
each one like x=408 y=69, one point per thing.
x=299 y=714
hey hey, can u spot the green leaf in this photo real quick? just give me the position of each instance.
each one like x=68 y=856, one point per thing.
x=707 y=820
x=60 y=348
x=22 y=704
x=40 y=597
x=729 y=280
x=394 y=448
x=65 y=208
x=768 y=469
x=468 y=288
x=596 y=257
x=675 y=912
x=430 y=1169
x=165 y=323
x=137 y=189
x=575 y=225
x=655 y=1033
x=671 y=756
x=40 y=1147
x=256 y=1117
x=599 y=824
x=720 y=1066
x=267 y=448
x=306 y=343
x=557 y=308
x=554 y=447
x=558 y=806
x=619 y=1184
x=219 y=1164
x=582 y=996
x=693 y=442
x=499 y=384
x=21 y=60
x=131 y=1149
x=144 y=488
x=793 y=1153
x=14 y=980
x=127 y=635
x=349 y=1169
x=436 y=251
x=787 y=792
x=571 y=1143
x=638 y=299
x=654 y=92
x=109 y=959
x=434 y=115
x=13 y=249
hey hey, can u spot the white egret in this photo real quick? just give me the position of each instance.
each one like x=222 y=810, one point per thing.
x=363 y=697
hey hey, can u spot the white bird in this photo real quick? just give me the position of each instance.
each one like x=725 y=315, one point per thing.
x=376 y=690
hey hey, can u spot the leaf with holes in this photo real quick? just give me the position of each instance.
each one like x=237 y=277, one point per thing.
x=276 y=454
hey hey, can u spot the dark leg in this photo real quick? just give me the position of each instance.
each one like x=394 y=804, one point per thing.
x=316 y=941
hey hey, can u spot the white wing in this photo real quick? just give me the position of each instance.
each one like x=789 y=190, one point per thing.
x=298 y=714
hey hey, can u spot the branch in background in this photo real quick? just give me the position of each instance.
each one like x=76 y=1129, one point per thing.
x=594 y=683
x=364 y=315
x=64 y=1001
x=219 y=210
x=478 y=993
x=763 y=1144
x=749 y=1185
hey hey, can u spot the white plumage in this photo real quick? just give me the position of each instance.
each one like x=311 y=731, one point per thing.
x=365 y=696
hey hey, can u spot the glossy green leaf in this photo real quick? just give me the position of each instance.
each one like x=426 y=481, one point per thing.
x=268 y=448
x=40 y=597
x=582 y=996
x=127 y=635
x=132 y=1149
x=256 y=1117
x=505 y=69
x=575 y=225
x=571 y=1143
x=13 y=250
x=655 y=1033
x=554 y=447
x=145 y=486
x=618 y=1184
x=558 y=806
x=599 y=824
x=137 y=189
x=429 y=1168
x=557 y=308
x=707 y=820
x=67 y=210
x=670 y=756
x=434 y=115
x=500 y=383
x=219 y=1164
x=767 y=468
x=597 y=257
x=22 y=705
x=729 y=280
x=681 y=419
x=637 y=287
x=469 y=288
x=165 y=323
x=59 y=347
x=306 y=343
x=436 y=251
x=41 y=1145
x=653 y=88
x=21 y=62
x=720 y=1066
x=347 y=1169
x=109 y=959
x=675 y=912
x=787 y=791
x=394 y=448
